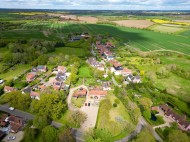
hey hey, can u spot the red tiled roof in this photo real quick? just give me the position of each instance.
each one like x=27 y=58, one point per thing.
x=30 y=75
x=80 y=92
x=9 y=89
x=35 y=94
x=42 y=87
x=62 y=68
x=126 y=70
x=115 y=63
x=98 y=92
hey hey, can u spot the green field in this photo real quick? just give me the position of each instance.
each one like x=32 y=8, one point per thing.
x=17 y=71
x=69 y=51
x=167 y=29
x=141 y=39
x=84 y=72
x=183 y=62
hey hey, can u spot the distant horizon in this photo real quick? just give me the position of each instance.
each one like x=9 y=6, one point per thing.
x=97 y=4
x=172 y=10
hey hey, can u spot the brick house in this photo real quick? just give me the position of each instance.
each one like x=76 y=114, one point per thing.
x=30 y=76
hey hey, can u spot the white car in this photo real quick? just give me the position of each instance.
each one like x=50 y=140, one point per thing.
x=11 y=108
x=11 y=138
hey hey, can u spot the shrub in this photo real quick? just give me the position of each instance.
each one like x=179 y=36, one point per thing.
x=114 y=105
x=117 y=101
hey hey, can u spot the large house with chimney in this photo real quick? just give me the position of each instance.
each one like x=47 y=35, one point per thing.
x=180 y=120
x=97 y=94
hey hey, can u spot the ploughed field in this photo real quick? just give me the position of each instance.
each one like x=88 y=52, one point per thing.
x=142 y=39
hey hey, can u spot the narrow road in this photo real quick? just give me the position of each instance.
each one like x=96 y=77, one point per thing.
x=156 y=136
x=133 y=134
x=92 y=50
x=70 y=105
x=78 y=135
x=25 y=115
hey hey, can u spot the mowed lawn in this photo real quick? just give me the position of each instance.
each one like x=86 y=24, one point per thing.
x=78 y=102
x=85 y=72
x=70 y=51
x=14 y=72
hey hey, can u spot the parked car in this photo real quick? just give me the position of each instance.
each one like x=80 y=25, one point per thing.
x=11 y=108
x=11 y=138
x=1 y=81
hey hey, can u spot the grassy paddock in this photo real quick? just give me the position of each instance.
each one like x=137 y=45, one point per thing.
x=104 y=119
x=14 y=72
x=85 y=72
x=70 y=51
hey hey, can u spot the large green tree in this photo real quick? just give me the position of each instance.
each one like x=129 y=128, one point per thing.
x=18 y=100
x=77 y=118
x=41 y=121
x=144 y=136
x=49 y=134
x=65 y=135
x=50 y=105
x=98 y=135
x=178 y=136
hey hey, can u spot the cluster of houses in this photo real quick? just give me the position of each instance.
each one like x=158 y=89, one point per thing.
x=33 y=74
x=11 y=123
x=57 y=83
x=180 y=120
x=94 y=63
x=105 y=51
x=61 y=76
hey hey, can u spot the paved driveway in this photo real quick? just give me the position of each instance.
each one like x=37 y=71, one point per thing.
x=19 y=137
x=91 y=111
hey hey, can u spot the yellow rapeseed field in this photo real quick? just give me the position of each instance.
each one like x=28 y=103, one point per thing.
x=159 y=21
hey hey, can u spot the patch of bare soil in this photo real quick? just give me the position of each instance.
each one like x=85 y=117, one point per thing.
x=135 y=23
x=88 y=19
